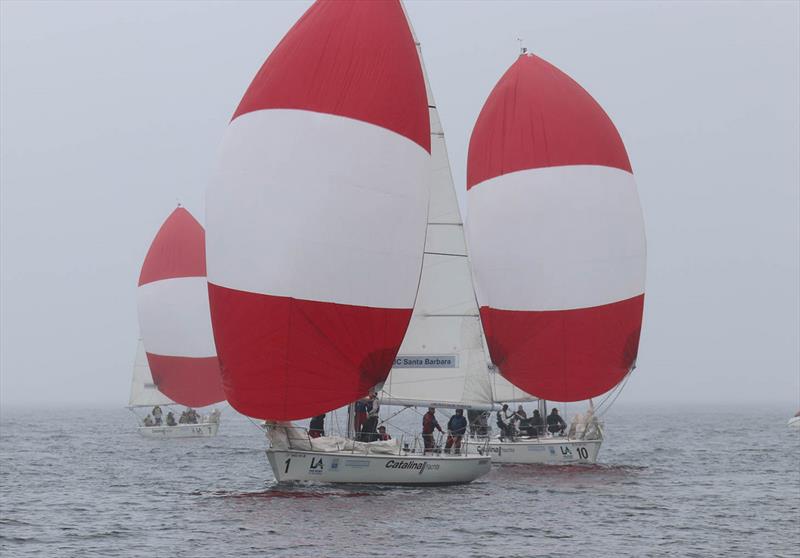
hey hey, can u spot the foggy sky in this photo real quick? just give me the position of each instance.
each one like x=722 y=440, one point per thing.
x=111 y=112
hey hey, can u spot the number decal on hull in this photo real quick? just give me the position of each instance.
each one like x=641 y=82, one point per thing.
x=287 y=465
x=583 y=453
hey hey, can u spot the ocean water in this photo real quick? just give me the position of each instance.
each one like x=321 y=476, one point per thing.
x=669 y=482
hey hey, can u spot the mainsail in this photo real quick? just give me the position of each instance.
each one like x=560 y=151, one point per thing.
x=442 y=360
x=144 y=392
x=316 y=213
x=174 y=318
x=556 y=236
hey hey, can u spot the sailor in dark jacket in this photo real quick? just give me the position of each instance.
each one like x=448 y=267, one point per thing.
x=536 y=425
x=456 y=428
x=316 y=427
x=555 y=423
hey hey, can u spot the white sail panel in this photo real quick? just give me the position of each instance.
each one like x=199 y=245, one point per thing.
x=304 y=231
x=144 y=392
x=579 y=219
x=175 y=319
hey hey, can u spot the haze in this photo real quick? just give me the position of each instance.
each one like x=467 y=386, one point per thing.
x=112 y=112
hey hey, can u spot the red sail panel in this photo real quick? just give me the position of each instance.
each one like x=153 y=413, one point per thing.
x=351 y=58
x=320 y=355
x=565 y=355
x=194 y=382
x=178 y=250
x=537 y=116
x=317 y=213
x=556 y=236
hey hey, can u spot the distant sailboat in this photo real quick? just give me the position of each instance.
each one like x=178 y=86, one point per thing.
x=557 y=247
x=317 y=222
x=176 y=363
x=794 y=422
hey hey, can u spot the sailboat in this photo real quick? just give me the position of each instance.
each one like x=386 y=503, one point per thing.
x=317 y=218
x=794 y=422
x=176 y=363
x=557 y=250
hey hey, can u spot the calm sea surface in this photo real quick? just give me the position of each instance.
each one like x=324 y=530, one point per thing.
x=690 y=482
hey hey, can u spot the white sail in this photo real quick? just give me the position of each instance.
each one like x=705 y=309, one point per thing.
x=144 y=392
x=442 y=360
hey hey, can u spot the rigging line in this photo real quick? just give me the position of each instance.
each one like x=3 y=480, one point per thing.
x=445 y=254
x=450 y=315
x=617 y=389
x=447 y=224
x=621 y=387
x=261 y=428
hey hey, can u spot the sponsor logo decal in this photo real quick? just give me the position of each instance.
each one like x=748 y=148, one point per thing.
x=317 y=467
x=420 y=466
x=426 y=361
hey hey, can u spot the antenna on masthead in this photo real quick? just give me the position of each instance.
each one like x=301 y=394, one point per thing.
x=522 y=49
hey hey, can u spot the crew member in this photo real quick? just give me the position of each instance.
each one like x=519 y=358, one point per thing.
x=505 y=422
x=316 y=428
x=536 y=425
x=456 y=428
x=361 y=408
x=555 y=423
x=157 y=415
x=429 y=424
x=383 y=436
x=369 y=432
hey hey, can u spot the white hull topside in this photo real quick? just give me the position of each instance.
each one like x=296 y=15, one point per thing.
x=794 y=422
x=357 y=468
x=546 y=451
x=200 y=430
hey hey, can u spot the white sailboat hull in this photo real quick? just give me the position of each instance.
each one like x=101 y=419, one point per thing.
x=546 y=451
x=794 y=422
x=356 y=468
x=201 y=430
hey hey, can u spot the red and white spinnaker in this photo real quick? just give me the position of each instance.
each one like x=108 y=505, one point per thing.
x=174 y=317
x=316 y=214
x=556 y=236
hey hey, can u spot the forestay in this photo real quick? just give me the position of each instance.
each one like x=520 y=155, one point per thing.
x=442 y=360
x=556 y=236
x=316 y=213
x=172 y=299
